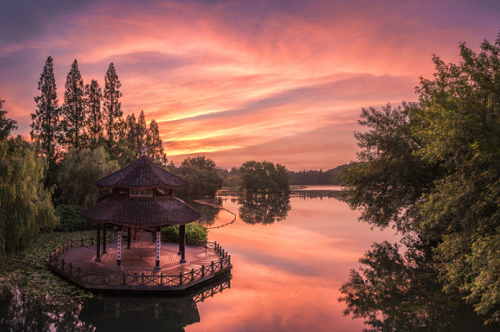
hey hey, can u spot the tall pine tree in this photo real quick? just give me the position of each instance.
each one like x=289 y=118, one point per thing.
x=46 y=122
x=155 y=145
x=6 y=125
x=141 y=132
x=136 y=132
x=93 y=96
x=131 y=124
x=74 y=110
x=112 y=105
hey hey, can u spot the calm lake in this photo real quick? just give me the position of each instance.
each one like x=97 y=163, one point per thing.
x=290 y=256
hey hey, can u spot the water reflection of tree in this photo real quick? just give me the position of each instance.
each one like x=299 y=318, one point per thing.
x=21 y=314
x=108 y=313
x=395 y=292
x=263 y=209
x=209 y=212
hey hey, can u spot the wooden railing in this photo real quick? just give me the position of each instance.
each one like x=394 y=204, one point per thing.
x=78 y=243
x=116 y=279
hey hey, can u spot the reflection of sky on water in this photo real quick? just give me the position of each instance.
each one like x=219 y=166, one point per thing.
x=287 y=275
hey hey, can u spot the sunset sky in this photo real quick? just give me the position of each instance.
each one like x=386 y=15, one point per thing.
x=277 y=80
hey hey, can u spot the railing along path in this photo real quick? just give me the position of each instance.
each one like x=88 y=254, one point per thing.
x=181 y=280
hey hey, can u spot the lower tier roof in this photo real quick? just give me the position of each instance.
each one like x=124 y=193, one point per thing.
x=141 y=212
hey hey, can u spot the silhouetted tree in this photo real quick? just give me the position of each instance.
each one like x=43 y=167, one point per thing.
x=112 y=105
x=6 y=125
x=136 y=132
x=93 y=95
x=46 y=122
x=155 y=145
x=74 y=111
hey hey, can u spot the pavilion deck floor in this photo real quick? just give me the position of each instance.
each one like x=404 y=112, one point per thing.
x=141 y=257
x=140 y=260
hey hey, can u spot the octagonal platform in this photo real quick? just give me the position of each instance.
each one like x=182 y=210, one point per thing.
x=76 y=261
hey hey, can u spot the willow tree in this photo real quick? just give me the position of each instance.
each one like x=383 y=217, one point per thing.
x=79 y=171
x=25 y=206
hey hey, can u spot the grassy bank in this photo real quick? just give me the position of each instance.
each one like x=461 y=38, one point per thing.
x=27 y=271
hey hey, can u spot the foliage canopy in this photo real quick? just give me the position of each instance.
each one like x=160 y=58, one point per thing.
x=432 y=168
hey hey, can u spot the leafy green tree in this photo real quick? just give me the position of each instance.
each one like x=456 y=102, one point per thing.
x=264 y=177
x=389 y=178
x=6 y=125
x=112 y=105
x=432 y=168
x=93 y=98
x=25 y=206
x=460 y=123
x=46 y=122
x=202 y=175
x=155 y=145
x=79 y=171
x=74 y=110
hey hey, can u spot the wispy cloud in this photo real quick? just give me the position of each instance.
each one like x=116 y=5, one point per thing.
x=233 y=77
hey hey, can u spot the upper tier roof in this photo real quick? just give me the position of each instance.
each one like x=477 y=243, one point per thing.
x=142 y=173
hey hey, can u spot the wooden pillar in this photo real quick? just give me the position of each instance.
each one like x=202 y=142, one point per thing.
x=182 y=236
x=180 y=241
x=128 y=237
x=119 y=249
x=158 y=247
x=104 y=251
x=98 y=254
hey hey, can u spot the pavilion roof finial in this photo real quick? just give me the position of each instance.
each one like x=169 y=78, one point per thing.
x=144 y=150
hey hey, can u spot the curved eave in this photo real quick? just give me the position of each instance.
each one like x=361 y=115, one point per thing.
x=152 y=186
x=134 y=212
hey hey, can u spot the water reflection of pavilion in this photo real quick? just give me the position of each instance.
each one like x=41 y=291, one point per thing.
x=126 y=314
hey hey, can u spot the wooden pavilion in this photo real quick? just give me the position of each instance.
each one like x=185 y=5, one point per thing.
x=141 y=195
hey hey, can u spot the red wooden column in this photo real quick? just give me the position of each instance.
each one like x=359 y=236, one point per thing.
x=98 y=254
x=119 y=249
x=158 y=248
x=128 y=237
x=182 y=242
x=104 y=251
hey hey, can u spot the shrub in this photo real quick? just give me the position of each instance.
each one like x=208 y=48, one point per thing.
x=193 y=231
x=71 y=219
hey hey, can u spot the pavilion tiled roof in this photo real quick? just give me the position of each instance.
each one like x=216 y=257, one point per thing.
x=135 y=212
x=143 y=174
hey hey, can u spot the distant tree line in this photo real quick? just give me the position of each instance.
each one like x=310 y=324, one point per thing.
x=314 y=177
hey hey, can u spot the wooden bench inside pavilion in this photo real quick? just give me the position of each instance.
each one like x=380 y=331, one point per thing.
x=140 y=200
